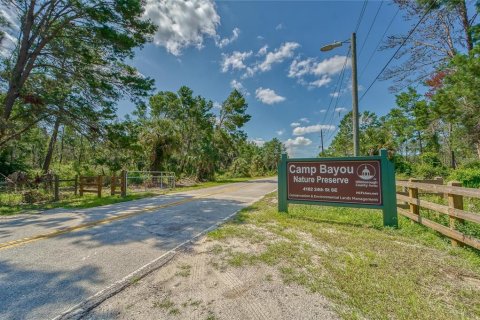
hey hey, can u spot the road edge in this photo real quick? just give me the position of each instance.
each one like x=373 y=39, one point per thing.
x=82 y=308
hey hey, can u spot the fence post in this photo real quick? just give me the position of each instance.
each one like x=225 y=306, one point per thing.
x=413 y=193
x=113 y=185
x=99 y=186
x=123 y=183
x=455 y=202
x=282 y=184
x=81 y=186
x=56 y=195
x=75 y=186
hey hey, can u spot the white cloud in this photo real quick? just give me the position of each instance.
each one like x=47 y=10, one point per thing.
x=322 y=71
x=323 y=110
x=295 y=124
x=280 y=132
x=279 y=55
x=292 y=144
x=235 y=60
x=217 y=105
x=268 y=96
x=340 y=110
x=335 y=94
x=298 y=141
x=305 y=120
x=258 y=141
x=262 y=51
x=239 y=86
x=298 y=131
x=279 y=26
x=182 y=23
x=331 y=66
x=226 y=41
x=323 y=81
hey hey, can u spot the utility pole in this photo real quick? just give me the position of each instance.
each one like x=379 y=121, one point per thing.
x=321 y=138
x=356 y=137
x=353 y=43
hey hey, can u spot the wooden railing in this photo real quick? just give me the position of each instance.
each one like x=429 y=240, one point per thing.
x=409 y=197
x=95 y=183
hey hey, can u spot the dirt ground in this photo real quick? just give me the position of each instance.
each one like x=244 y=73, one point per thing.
x=198 y=284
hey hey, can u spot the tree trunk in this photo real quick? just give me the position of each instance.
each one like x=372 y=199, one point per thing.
x=462 y=8
x=51 y=145
x=62 y=144
x=478 y=149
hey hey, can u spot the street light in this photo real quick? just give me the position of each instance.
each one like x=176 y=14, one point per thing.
x=353 y=43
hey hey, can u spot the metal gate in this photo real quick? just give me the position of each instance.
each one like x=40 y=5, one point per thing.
x=150 y=180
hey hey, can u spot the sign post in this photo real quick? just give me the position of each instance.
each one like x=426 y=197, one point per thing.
x=361 y=182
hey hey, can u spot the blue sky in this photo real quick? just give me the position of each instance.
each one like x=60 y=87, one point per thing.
x=270 y=50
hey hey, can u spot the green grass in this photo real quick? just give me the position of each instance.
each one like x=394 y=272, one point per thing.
x=10 y=204
x=366 y=270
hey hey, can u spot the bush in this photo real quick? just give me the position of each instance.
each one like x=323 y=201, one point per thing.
x=402 y=166
x=468 y=175
x=34 y=196
x=239 y=168
x=430 y=166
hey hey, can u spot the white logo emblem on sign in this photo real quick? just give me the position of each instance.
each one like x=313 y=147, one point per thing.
x=366 y=172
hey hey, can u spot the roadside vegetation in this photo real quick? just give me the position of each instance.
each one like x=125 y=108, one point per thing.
x=11 y=204
x=366 y=270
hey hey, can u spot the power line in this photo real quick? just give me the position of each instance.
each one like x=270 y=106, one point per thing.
x=379 y=42
x=370 y=29
x=361 y=15
x=337 y=86
x=398 y=49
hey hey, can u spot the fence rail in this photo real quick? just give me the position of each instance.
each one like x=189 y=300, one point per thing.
x=410 y=196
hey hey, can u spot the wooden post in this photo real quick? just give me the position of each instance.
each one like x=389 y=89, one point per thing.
x=75 y=186
x=113 y=185
x=99 y=186
x=413 y=193
x=455 y=202
x=81 y=186
x=123 y=183
x=56 y=182
x=282 y=184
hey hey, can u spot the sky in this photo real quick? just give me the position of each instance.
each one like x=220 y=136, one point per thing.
x=270 y=51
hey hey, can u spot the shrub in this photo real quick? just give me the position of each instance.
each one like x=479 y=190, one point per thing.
x=430 y=166
x=402 y=166
x=468 y=175
x=239 y=168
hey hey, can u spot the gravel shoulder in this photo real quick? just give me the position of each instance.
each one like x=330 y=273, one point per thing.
x=199 y=284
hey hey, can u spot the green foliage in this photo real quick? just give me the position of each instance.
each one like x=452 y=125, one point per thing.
x=468 y=176
x=239 y=168
x=430 y=166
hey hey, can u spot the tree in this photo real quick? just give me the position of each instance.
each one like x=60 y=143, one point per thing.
x=87 y=41
x=445 y=31
x=458 y=101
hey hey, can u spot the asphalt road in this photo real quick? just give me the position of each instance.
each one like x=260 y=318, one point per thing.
x=44 y=272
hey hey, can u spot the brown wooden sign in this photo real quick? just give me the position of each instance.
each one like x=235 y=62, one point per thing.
x=339 y=181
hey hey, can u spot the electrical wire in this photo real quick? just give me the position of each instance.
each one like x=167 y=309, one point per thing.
x=398 y=49
x=359 y=21
x=370 y=29
x=378 y=44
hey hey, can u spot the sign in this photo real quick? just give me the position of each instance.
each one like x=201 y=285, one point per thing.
x=350 y=181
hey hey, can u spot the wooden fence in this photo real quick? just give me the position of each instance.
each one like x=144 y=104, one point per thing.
x=409 y=198
x=94 y=184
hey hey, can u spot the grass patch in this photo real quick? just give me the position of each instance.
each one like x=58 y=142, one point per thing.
x=184 y=270
x=10 y=204
x=368 y=271
x=164 y=304
x=87 y=201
